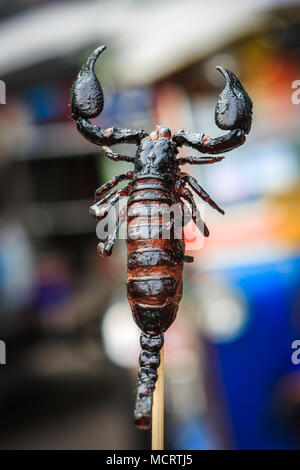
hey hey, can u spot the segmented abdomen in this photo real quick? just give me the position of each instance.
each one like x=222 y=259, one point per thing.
x=154 y=274
x=154 y=278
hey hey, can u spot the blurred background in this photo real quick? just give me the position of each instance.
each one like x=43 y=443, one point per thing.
x=71 y=344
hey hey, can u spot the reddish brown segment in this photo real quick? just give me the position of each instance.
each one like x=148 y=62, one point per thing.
x=154 y=281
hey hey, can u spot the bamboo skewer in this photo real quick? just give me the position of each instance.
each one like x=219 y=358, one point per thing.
x=159 y=407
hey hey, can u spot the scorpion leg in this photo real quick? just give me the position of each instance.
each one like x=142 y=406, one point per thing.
x=186 y=214
x=186 y=219
x=117 y=156
x=198 y=160
x=99 y=193
x=105 y=248
x=186 y=194
x=200 y=191
x=101 y=209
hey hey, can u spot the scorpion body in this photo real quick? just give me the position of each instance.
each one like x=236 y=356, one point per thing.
x=157 y=192
x=154 y=275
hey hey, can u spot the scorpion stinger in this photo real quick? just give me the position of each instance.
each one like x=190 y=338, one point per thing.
x=234 y=106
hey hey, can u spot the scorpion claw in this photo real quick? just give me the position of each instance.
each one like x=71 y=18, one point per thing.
x=234 y=106
x=104 y=250
x=87 y=96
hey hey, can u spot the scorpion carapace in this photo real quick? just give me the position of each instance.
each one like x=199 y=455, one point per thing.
x=157 y=188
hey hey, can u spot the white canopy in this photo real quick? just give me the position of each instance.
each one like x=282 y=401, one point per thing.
x=148 y=39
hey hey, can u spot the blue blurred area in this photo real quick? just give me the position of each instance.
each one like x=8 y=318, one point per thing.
x=253 y=365
x=46 y=101
x=191 y=434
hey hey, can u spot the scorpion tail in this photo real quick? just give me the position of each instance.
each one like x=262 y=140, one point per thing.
x=149 y=361
x=87 y=96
